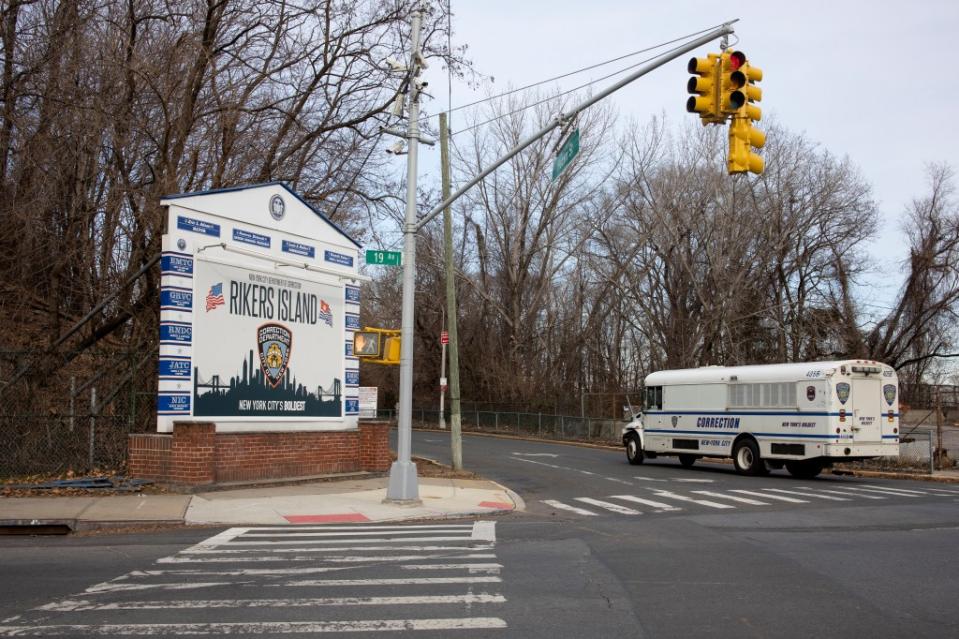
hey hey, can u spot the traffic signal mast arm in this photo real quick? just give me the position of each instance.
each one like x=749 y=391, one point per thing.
x=562 y=118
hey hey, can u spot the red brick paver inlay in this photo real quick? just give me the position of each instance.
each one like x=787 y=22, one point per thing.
x=326 y=519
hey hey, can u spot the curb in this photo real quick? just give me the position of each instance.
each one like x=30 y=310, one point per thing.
x=528 y=439
x=879 y=474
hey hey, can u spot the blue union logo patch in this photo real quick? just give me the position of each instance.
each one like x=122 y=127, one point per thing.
x=889 y=392
x=842 y=392
x=274 y=342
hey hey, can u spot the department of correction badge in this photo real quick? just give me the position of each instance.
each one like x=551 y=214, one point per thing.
x=889 y=392
x=274 y=342
x=842 y=392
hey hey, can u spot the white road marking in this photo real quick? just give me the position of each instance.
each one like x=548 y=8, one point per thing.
x=573 y=509
x=880 y=491
x=483 y=531
x=895 y=491
x=536 y=455
x=184 y=604
x=222 y=538
x=765 y=496
x=701 y=502
x=841 y=492
x=648 y=479
x=253 y=572
x=110 y=587
x=300 y=528
x=490 y=569
x=658 y=505
x=616 y=508
x=804 y=494
x=377 y=540
x=353 y=559
x=258 y=628
x=328 y=549
x=296 y=532
x=745 y=500
x=940 y=490
x=697 y=481
x=618 y=480
x=391 y=581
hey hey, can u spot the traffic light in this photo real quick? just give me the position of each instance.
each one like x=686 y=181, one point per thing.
x=377 y=345
x=704 y=85
x=739 y=94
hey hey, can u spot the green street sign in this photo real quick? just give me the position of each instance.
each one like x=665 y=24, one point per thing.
x=384 y=258
x=566 y=154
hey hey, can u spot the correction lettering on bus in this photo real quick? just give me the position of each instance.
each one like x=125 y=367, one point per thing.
x=717 y=422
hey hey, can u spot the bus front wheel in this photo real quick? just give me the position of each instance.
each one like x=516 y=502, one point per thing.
x=634 y=453
x=746 y=458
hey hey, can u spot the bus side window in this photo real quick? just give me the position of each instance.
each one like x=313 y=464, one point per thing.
x=654 y=398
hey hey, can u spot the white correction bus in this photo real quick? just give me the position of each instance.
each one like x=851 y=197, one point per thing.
x=801 y=416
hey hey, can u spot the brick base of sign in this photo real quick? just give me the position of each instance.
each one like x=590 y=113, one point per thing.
x=196 y=455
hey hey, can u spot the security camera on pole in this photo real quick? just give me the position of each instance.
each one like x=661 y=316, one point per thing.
x=403 y=486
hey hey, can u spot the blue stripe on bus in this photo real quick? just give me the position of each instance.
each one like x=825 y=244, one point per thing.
x=728 y=434
x=755 y=413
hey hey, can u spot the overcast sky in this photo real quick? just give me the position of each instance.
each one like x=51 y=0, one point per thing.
x=871 y=80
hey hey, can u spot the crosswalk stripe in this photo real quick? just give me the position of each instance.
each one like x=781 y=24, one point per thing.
x=296 y=532
x=804 y=494
x=880 y=491
x=648 y=479
x=184 y=604
x=573 y=509
x=253 y=572
x=745 y=500
x=647 y=502
x=390 y=581
x=287 y=529
x=616 y=508
x=354 y=559
x=702 y=502
x=697 y=481
x=765 y=496
x=378 y=540
x=940 y=490
x=895 y=491
x=841 y=492
x=326 y=549
x=257 y=628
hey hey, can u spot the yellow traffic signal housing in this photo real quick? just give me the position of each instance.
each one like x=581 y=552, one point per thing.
x=739 y=94
x=704 y=86
x=377 y=345
x=742 y=138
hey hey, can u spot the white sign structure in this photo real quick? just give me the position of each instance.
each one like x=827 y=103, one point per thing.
x=369 y=402
x=259 y=299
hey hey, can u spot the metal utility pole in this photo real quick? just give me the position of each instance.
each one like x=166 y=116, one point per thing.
x=456 y=435
x=403 y=485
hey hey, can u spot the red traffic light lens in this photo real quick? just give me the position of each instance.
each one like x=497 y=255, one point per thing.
x=737 y=59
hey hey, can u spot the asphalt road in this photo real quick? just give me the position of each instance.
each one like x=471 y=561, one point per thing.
x=603 y=549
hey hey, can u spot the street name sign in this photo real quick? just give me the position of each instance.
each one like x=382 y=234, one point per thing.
x=384 y=258
x=566 y=154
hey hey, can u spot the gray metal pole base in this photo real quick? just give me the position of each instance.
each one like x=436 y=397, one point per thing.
x=403 y=488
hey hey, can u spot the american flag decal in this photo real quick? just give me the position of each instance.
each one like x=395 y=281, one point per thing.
x=215 y=297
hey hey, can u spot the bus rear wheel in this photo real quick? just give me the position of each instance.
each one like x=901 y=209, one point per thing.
x=805 y=469
x=687 y=460
x=634 y=452
x=746 y=458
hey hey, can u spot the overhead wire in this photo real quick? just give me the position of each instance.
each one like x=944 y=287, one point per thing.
x=451 y=109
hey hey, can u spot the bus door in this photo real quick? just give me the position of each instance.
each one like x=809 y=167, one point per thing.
x=866 y=409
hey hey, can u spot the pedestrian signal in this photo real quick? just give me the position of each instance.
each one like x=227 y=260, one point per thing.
x=377 y=345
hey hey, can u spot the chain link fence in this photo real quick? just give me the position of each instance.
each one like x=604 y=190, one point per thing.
x=917 y=448
x=44 y=444
x=592 y=430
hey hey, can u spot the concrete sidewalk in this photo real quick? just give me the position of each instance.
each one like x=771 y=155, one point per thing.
x=357 y=500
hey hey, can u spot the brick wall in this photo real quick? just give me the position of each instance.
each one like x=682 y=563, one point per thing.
x=195 y=454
